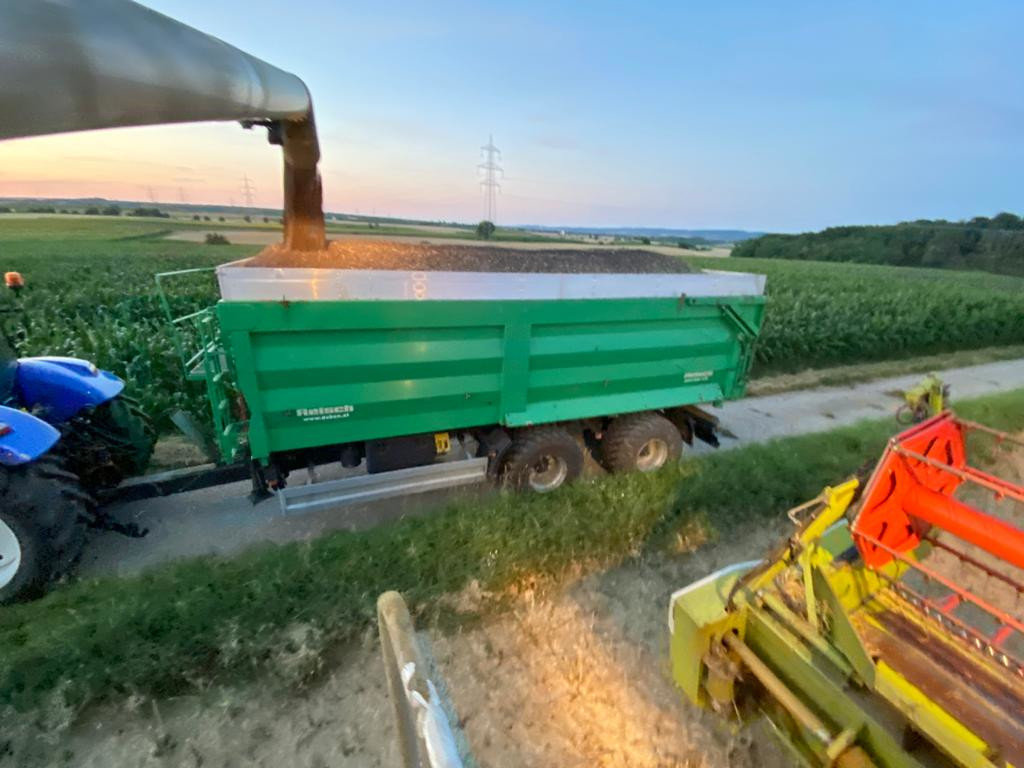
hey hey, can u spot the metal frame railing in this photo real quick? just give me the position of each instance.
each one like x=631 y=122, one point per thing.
x=209 y=363
x=425 y=735
x=1009 y=629
x=941 y=613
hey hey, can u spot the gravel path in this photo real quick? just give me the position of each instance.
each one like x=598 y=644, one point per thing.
x=756 y=419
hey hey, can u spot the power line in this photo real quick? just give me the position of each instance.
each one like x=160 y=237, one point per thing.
x=248 y=190
x=491 y=172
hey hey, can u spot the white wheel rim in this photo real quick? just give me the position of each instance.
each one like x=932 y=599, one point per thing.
x=548 y=473
x=10 y=554
x=652 y=455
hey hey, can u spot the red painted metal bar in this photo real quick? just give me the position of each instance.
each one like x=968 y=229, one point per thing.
x=999 y=538
x=997 y=434
x=1001 y=636
x=950 y=603
x=916 y=480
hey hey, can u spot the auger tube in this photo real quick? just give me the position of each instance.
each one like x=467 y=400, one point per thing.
x=75 y=65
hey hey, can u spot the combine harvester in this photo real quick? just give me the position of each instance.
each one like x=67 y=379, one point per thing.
x=887 y=630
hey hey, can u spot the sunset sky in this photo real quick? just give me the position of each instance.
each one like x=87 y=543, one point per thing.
x=777 y=116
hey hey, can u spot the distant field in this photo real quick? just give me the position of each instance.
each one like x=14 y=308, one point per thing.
x=271 y=224
x=508 y=239
x=827 y=314
x=91 y=294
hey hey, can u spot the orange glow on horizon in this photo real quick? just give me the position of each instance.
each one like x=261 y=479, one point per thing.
x=364 y=173
x=194 y=163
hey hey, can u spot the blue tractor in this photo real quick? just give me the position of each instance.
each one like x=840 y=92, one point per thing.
x=66 y=431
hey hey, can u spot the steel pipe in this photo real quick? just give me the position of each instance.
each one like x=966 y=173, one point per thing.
x=73 y=65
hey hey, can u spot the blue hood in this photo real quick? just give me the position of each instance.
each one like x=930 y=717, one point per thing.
x=60 y=387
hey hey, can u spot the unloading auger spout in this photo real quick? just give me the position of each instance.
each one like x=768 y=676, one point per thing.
x=74 y=65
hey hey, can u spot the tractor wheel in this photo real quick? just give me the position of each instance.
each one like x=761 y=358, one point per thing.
x=541 y=460
x=641 y=442
x=42 y=526
x=113 y=442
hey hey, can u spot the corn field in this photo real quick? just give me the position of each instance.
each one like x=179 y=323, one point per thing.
x=91 y=294
x=822 y=313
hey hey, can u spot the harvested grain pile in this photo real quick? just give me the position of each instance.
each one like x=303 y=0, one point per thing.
x=362 y=254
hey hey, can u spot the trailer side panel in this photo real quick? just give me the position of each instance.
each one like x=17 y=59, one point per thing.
x=318 y=373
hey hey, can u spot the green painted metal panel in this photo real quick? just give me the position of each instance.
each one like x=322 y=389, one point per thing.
x=316 y=373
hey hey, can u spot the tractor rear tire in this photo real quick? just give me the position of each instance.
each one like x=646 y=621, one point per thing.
x=541 y=459
x=641 y=442
x=43 y=513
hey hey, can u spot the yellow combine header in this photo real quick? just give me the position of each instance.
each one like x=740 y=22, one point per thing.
x=887 y=631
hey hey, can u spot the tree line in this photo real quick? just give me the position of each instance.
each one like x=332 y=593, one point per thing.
x=993 y=244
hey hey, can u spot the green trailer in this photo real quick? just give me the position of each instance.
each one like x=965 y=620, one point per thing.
x=521 y=371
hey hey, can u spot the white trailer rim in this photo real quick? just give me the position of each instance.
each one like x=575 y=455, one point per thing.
x=548 y=473
x=10 y=554
x=652 y=455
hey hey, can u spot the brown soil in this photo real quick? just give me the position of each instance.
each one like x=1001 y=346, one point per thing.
x=364 y=254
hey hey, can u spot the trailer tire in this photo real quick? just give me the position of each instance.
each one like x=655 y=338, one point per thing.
x=641 y=442
x=541 y=459
x=42 y=527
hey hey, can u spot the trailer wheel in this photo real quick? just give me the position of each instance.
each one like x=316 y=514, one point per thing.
x=541 y=460
x=42 y=527
x=641 y=442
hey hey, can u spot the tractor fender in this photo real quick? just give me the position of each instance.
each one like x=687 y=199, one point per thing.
x=23 y=437
x=60 y=387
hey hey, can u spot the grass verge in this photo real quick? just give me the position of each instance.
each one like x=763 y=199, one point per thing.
x=182 y=626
